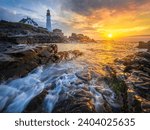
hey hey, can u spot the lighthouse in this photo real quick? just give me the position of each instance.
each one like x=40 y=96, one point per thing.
x=48 y=21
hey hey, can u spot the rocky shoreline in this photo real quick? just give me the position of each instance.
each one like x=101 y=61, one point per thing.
x=20 y=33
x=131 y=80
x=19 y=60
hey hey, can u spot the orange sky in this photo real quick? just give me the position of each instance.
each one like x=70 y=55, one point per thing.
x=121 y=23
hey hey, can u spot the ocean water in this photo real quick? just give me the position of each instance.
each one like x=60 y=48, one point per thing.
x=67 y=77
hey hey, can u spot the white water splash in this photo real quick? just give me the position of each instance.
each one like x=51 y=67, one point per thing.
x=16 y=95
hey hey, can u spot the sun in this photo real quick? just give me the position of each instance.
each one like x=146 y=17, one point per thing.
x=110 y=35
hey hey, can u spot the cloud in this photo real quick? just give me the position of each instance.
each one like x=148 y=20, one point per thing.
x=140 y=36
x=27 y=9
x=5 y=14
x=85 y=7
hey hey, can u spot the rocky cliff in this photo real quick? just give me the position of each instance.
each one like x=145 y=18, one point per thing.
x=19 y=60
x=20 y=33
x=80 y=38
x=130 y=79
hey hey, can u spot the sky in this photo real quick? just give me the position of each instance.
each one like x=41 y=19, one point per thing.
x=99 y=19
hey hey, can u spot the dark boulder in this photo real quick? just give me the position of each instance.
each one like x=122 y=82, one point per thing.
x=36 y=104
x=78 y=101
x=137 y=80
x=19 y=61
x=143 y=45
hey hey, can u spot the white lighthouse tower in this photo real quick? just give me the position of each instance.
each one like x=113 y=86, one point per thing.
x=48 y=21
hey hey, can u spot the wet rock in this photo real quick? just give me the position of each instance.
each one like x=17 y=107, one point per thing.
x=70 y=55
x=146 y=106
x=78 y=101
x=137 y=81
x=120 y=89
x=144 y=86
x=78 y=82
x=143 y=45
x=36 y=104
x=145 y=54
x=18 y=61
x=145 y=69
x=84 y=75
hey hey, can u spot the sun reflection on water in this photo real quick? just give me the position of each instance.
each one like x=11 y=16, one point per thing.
x=99 y=54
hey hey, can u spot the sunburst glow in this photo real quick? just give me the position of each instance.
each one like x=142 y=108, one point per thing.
x=110 y=35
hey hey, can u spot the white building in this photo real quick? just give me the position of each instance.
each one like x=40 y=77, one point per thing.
x=28 y=21
x=48 y=21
